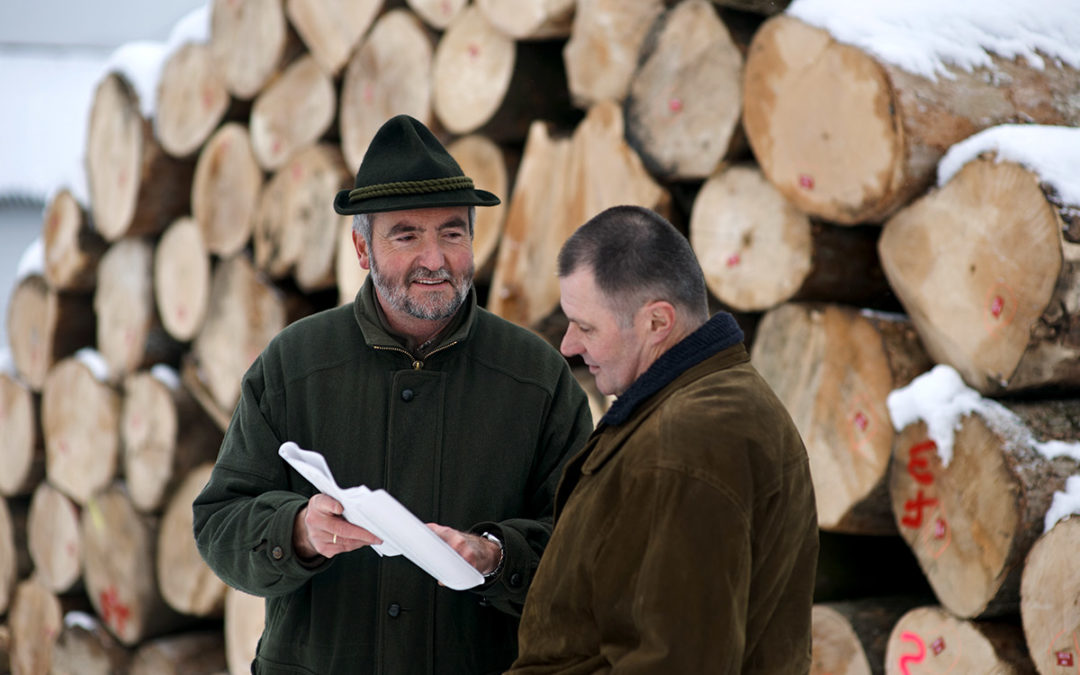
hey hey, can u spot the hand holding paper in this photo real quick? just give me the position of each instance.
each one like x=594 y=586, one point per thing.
x=378 y=512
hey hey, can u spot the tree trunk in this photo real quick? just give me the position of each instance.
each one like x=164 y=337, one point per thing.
x=484 y=81
x=182 y=279
x=292 y=113
x=331 y=29
x=225 y=190
x=850 y=637
x=245 y=313
x=390 y=73
x=530 y=19
x=685 y=97
x=483 y=161
x=22 y=448
x=187 y=584
x=192 y=100
x=45 y=326
x=296 y=228
x=85 y=647
x=972 y=521
x=851 y=139
x=245 y=617
x=165 y=434
x=757 y=250
x=119 y=571
x=136 y=188
x=35 y=619
x=54 y=540
x=834 y=367
x=15 y=561
x=250 y=43
x=1048 y=591
x=193 y=653
x=130 y=335
x=80 y=417
x=73 y=248
x=438 y=14
x=992 y=236
x=931 y=640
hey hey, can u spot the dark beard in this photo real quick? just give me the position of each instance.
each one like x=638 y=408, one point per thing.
x=397 y=295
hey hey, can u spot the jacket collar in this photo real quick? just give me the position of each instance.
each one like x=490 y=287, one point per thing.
x=366 y=312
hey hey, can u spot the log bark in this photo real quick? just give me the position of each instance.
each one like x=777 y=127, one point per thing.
x=165 y=434
x=757 y=250
x=992 y=236
x=296 y=228
x=85 y=647
x=485 y=82
x=931 y=640
x=73 y=248
x=851 y=637
x=192 y=653
x=136 y=188
x=15 y=561
x=187 y=584
x=602 y=52
x=530 y=19
x=851 y=139
x=291 y=113
x=54 y=540
x=438 y=14
x=331 y=29
x=35 y=619
x=245 y=312
x=685 y=97
x=972 y=521
x=130 y=334
x=483 y=160
x=80 y=416
x=250 y=43
x=390 y=73
x=834 y=367
x=119 y=569
x=182 y=279
x=245 y=617
x=45 y=326
x=225 y=190
x=560 y=184
x=191 y=100
x=1048 y=592
x=22 y=446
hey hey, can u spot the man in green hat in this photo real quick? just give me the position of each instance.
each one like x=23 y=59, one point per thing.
x=465 y=418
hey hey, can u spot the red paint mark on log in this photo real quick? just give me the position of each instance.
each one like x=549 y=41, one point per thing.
x=861 y=421
x=916 y=506
x=113 y=611
x=937 y=646
x=1064 y=659
x=806 y=181
x=908 y=636
x=997 y=306
x=675 y=105
x=474 y=51
x=733 y=260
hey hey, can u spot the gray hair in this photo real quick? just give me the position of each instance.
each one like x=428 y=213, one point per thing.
x=361 y=224
x=636 y=257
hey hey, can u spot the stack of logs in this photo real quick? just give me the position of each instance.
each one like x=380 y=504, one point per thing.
x=800 y=168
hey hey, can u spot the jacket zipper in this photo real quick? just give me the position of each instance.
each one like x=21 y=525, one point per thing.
x=417 y=364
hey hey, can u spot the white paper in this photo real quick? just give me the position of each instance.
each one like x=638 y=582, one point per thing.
x=376 y=511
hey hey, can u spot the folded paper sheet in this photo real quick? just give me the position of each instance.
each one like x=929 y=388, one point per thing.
x=378 y=512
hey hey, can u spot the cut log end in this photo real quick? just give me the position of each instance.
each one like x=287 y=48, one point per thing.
x=1048 y=592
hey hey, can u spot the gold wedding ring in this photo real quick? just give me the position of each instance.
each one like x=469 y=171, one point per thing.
x=335 y=537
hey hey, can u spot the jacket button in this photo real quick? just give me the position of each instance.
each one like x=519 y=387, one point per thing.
x=515 y=580
x=277 y=553
x=407 y=395
x=393 y=610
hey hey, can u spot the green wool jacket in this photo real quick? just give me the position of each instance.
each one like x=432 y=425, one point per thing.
x=474 y=437
x=686 y=533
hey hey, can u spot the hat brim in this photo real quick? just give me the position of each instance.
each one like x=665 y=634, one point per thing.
x=469 y=197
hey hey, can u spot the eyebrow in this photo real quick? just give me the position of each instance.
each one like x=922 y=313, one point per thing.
x=402 y=227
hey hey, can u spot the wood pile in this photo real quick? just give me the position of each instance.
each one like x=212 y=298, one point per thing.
x=799 y=167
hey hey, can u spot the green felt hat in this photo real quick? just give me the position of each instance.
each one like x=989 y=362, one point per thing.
x=406 y=167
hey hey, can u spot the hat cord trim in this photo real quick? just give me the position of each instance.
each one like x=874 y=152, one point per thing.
x=407 y=187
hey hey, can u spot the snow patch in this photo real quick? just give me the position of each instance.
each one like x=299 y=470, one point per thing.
x=167 y=375
x=1065 y=503
x=93 y=360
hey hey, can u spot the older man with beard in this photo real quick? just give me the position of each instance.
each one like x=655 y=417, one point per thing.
x=463 y=417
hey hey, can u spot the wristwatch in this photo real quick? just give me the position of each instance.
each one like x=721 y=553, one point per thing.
x=498 y=568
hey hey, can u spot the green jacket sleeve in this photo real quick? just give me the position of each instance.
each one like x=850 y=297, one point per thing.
x=569 y=423
x=243 y=518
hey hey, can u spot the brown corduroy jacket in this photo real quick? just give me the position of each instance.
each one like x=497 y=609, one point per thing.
x=686 y=537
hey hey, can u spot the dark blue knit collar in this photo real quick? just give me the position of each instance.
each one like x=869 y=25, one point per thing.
x=714 y=336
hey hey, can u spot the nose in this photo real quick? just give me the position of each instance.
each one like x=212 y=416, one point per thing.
x=431 y=255
x=570 y=345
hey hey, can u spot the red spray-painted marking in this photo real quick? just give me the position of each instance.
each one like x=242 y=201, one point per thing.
x=917 y=505
x=996 y=306
x=474 y=51
x=113 y=611
x=908 y=636
x=733 y=260
x=940 y=529
x=919 y=467
x=937 y=646
x=369 y=93
x=861 y=421
x=207 y=98
x=675 y=105
x=1064 y=658
x=806 y=181
x=297 y=172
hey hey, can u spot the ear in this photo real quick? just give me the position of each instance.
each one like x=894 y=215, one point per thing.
x=362 y=253
x=659 y=320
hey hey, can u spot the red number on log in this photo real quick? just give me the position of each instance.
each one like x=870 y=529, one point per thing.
x=908 y=636
x=917 y=505
x=919 y=467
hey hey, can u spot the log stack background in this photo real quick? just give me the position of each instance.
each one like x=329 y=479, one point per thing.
x=800 y=169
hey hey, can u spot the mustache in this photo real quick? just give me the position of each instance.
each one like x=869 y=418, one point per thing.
x=442 y=274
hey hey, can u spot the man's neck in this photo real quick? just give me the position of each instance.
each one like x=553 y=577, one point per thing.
x=417 y=333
